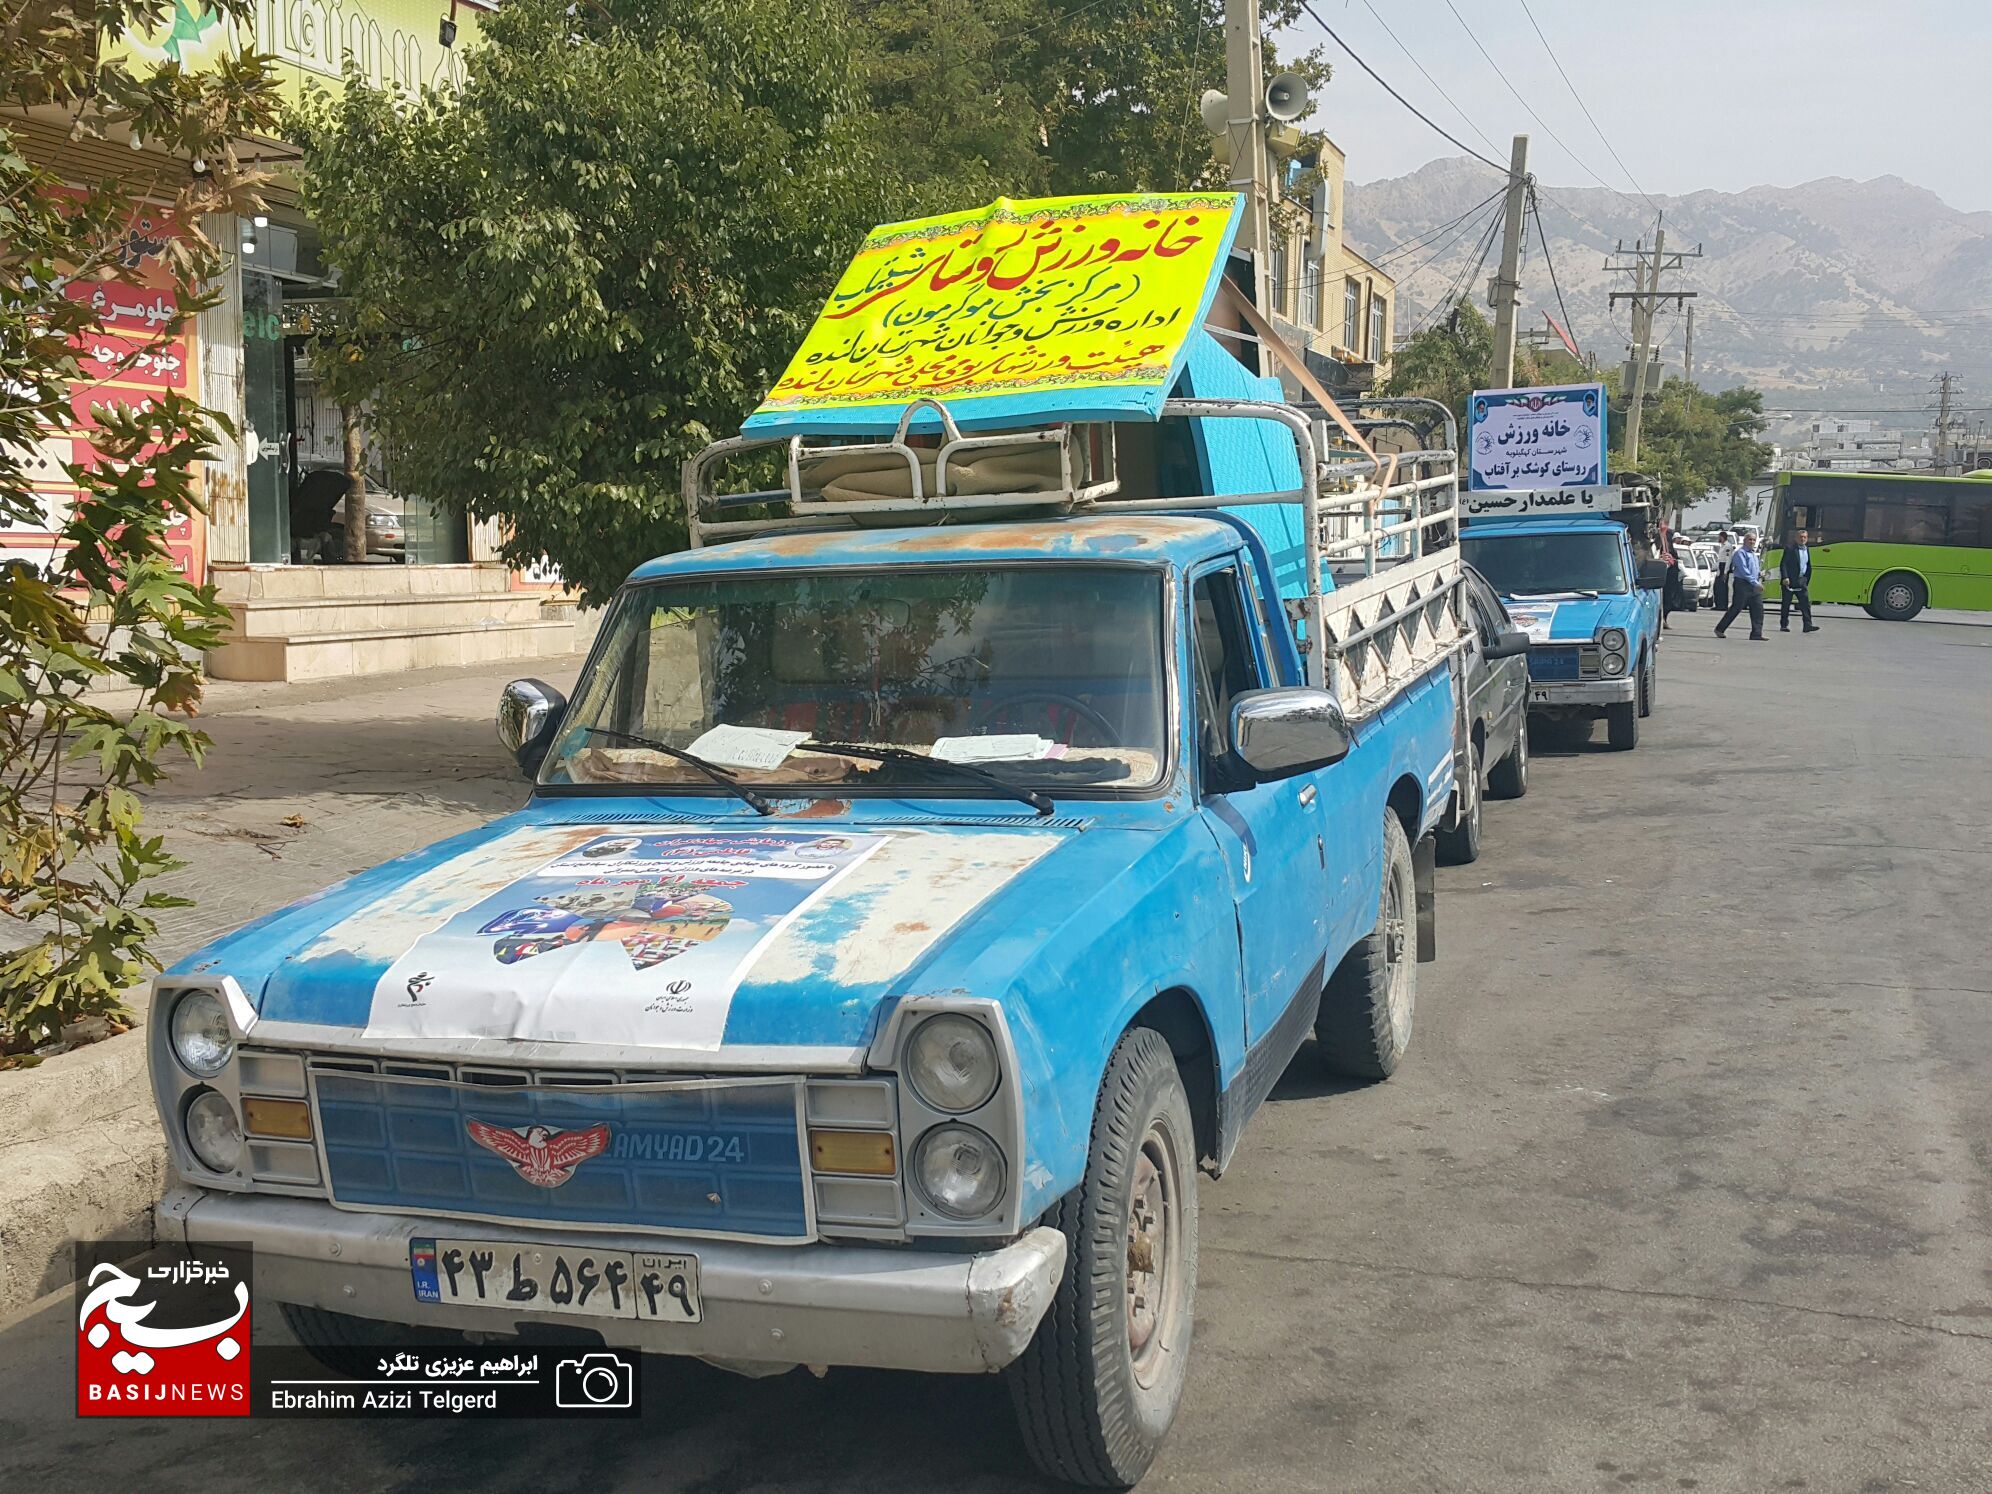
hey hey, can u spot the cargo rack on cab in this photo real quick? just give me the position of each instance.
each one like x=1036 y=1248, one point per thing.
x=1379 y=529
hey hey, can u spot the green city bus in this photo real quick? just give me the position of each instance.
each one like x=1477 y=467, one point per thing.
x=1889 y=543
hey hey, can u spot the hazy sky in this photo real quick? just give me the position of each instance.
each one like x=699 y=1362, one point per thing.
x=1693 y=93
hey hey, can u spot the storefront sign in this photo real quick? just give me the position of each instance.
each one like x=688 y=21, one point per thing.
x=1514 y=503
x=1076 y=305
x=393 y=43
x=1537 y=438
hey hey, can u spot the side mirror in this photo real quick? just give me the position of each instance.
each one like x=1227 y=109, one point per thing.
x=1506 y=645
x=1652 y=575
x=528 y=713
x=1278 y=733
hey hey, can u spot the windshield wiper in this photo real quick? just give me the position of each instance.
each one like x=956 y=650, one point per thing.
x=1566 y=591
x=1040 y=802
x=713 y=771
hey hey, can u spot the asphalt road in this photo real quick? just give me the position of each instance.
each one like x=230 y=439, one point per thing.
x=1684 y=1185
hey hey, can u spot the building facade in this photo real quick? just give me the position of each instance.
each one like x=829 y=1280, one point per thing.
x=432 y=590
x=1331 y=302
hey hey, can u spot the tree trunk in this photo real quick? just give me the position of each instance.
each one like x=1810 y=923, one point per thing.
x=356 y=487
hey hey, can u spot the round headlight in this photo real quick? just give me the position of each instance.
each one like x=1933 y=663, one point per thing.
x=951 y=1063
x=201 y=1037
x=1613 y=640
x=1614 y=664
x=213 y=1132
x=960 y=1171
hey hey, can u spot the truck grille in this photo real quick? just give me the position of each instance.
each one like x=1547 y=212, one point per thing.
x=610 y=1151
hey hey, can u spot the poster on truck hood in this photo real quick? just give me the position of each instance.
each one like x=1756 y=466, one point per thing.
x=638 y=937
x=1536 y=438
x=1077 y=308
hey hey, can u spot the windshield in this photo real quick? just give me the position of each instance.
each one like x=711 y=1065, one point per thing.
x=1042 y=675
x=1533 y=565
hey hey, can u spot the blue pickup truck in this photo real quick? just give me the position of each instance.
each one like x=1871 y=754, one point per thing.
x=903 y=915
x=1592 y=614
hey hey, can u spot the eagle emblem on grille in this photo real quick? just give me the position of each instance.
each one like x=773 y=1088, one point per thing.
x=544 y=1157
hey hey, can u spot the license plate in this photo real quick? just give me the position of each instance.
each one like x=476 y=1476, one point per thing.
x=1541 y=695
x=543 y=1278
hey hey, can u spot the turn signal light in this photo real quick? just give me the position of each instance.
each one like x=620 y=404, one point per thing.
x=865 y=1154
x=289 y=1119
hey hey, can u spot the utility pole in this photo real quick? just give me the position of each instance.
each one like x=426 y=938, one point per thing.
x=1645 y=297
x=1688 y=349
x=1506 y=290
x=1947 y=385
x=1245 y=88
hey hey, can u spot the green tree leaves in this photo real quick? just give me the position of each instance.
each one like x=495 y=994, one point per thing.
x=109 y=610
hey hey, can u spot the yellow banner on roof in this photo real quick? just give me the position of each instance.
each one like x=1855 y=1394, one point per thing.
x=1073 y=308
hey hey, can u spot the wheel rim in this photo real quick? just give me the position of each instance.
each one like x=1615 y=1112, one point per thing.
x=1522 y=750
x=1898 y=597
x=1396 y=940
x=1154 y=1252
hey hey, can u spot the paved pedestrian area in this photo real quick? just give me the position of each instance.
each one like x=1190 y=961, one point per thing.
x=1685 y=1184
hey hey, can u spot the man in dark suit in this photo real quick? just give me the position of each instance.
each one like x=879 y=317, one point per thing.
x=1795 y=582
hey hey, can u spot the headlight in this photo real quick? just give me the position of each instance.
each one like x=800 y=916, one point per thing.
x=1614 y=664
x=960 y=1171
x=202 y=1040
x=213 y=1132
x=951 y=1063
x=1612 y=640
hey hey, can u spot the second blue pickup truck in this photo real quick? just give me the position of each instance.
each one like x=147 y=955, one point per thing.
x=1572 y=583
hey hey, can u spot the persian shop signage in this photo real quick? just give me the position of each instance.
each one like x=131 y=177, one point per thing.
x=393 y=42
x=1079 y=305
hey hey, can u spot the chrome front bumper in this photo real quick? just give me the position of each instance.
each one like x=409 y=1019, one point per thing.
x=876 y=1306
x=1551 y=694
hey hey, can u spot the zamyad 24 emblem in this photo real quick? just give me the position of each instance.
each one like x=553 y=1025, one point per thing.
x=544 y=1157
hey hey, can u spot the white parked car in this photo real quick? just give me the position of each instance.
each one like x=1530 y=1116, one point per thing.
x=1698 y=566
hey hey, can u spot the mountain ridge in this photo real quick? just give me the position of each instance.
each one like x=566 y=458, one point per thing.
x=1831 y=294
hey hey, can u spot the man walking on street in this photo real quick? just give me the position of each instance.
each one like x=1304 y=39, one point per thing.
x=1795 y=582
x=1746 y=588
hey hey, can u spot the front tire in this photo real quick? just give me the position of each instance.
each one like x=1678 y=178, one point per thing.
x=1898 y=596
x=1366 y=1011
x=1097 y=1390
x=1510 y=778
x=1460 y=846
x=1622 y=721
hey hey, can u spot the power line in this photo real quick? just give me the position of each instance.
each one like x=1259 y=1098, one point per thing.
x=1509 y=85
x=1585 y=107
x=1335 y=37
x=1429 y=78
x=1435 y=255
x=1412 y=245
x=1536 y=213
x=1458 y=284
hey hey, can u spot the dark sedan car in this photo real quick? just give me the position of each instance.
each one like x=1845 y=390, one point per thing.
x=1494 y=750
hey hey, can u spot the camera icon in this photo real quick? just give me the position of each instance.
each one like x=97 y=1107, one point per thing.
x=594 y=1382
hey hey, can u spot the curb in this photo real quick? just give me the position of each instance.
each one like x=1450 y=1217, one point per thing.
x=81 y=1158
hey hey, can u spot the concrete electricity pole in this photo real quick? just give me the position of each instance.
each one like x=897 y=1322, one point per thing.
x=1245 y=88
x=1506 y=291
x=1941 y=456
x=1688 y=349
x=1645 y=297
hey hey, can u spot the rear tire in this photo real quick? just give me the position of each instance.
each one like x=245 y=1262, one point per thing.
x=1097 y=1389
x=1898 y=596
x=1367 y=1010
x=1510 y=778
x=1460 y=846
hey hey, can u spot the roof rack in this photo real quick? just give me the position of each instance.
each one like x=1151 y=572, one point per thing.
x=1379 y=530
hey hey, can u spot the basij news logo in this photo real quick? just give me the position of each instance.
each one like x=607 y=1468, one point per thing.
x=162 y=1332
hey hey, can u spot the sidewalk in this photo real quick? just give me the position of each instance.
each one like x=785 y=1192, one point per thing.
x=306 y=784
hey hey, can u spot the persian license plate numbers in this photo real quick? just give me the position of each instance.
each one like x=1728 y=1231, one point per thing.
x=560 y=1279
